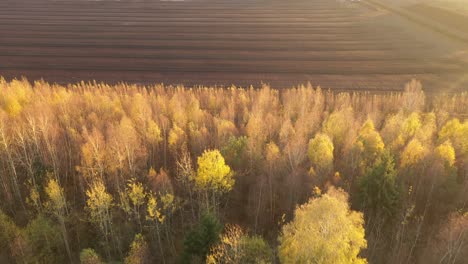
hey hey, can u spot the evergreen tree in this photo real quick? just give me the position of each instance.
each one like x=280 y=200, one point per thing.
x=201 y=238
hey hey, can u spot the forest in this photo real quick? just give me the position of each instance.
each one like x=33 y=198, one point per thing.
x=96 y=173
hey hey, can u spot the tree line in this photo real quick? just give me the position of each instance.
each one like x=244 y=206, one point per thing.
x=97 y=173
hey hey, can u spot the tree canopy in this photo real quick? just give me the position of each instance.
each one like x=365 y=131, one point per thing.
x=213 y=173
x=324 y=230
x=86 y=167
x=379 y=189
x=321 y=153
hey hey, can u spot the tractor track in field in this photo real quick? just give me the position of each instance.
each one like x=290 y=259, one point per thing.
x=439 y=28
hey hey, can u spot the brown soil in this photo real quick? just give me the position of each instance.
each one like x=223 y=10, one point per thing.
x=445 y=17
x=335 y=44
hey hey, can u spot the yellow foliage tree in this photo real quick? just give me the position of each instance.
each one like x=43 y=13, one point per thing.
x=57 y=202
x=12 y=106
x=99 y=205
x=321 y=154
x=139 y=251
x=213 y=173
x=153 y=132
x=158 y=210
x=370 y=139
x=338 y=125
x=428 y=128
x=177 y=138
x=136 y=195
x=153 y=210
x=410 y=126
x=58 y=206
x=99 y=201
x=324 y=230
x=368 y=146
x=446 y=153
x=413 y=153
x=213 y=176
x=457 y=132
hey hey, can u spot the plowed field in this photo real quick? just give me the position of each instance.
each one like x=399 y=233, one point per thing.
x=332 y=43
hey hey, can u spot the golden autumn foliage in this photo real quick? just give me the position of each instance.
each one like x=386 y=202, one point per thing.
x=153 y=132
x=153 y=210
x=90 y=165
x=139 y=252
x=369 y=140
x=158 y=208
x=457 y=132
x=410 y=126
x=321 y=153
x=56 y=196
x=338 y=125
x=99 y=203
x=324 y=230
x=213 y=173
x=413 y=153
x=446 y=153
x=136 y=193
